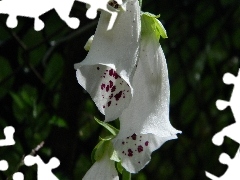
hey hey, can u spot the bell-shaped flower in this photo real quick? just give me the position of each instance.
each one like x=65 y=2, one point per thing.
x=104 y=169
x=107 y=71
x=145 y=125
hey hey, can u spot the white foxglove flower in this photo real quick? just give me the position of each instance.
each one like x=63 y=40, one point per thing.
x=107 y=71
x=144 y=125
x=104 y=169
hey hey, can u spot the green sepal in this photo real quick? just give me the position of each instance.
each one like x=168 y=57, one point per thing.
x=104 y=145
x=126 y=175
x=109 y=127
x=98 y=151
x=119 y=167
x=150 y=14
x=107 y=138
x=114 y=156
x=150 y=24
x=112 y=153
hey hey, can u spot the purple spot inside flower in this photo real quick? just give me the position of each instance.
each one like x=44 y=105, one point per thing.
x=113 y=89
x=130 y=153
x=109 y=103
x=110 y=97
x=111 y=84
x=140 y=148
x=110 y=72
x=98 y=68
x=103 y=86
x=103 y=106
x=123 y=142
x=146 y=143
x=107 y=88
x=115 y=75
x=118 y=95
x=134 y=136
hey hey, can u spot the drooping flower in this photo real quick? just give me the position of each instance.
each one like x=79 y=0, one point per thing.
x=145 y=125
x=107 y=71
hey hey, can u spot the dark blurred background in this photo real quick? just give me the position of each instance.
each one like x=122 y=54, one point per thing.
x=40 y=96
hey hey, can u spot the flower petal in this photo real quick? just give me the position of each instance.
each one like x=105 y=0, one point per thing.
x=107 y=71
x=148 y=112
x=135 y=150
x=103 y=169
x=147 y=115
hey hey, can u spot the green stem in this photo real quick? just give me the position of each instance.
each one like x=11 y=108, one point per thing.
x=126 y=175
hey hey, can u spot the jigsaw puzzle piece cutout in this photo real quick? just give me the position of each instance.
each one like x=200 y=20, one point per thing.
x=232 y=172
x=44 y=170
x=36 y=8
x=8 y=133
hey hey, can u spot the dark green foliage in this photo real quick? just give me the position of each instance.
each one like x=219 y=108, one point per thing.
x=40 y=96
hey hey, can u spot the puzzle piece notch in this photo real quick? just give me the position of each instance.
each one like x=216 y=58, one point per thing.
x=103 y=5
x=231 y=131
x=44 y=170
x=8 y=133
x=235 y=97
x=232 y=172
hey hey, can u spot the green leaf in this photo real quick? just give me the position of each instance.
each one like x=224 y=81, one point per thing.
x=109 y=127
x=150 y=24
x=53 y=71
x=57 y=121
x=25 y=102
x=18 y=100
x=126 y=175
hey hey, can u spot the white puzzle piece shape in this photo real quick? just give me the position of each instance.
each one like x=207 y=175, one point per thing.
x=18 y=176
x=231 y=131
x=232 y=172
x=3 y=165
x=44 y=171
x=8 y=132
x=35 y=8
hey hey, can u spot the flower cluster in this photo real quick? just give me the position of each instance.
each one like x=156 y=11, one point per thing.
x=125 y=72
